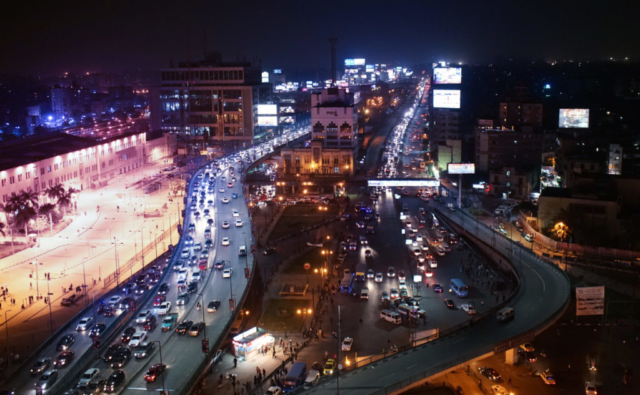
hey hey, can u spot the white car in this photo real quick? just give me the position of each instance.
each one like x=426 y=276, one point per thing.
x=433 y=263
x=115 y=300
x=221 y=189
x=235 y=213
x=402 y=284
x=370 y=273
x=547 y=377
x=84 y=324
x=347 y=343
x=225 y=200
x=499 y=390
x=226 y=225
x=143 y=317
x=182 y=274
x=185 y=253
x=391 y=272
x=225 y=241
x=226 y=273
x=137 y=339
x=273 y=391
x=469 y=308
x=379 y=277
x=164 y=308
x=88 y=375
x=590 y=388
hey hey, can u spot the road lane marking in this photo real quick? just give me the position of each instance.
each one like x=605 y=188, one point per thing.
x=458 y=341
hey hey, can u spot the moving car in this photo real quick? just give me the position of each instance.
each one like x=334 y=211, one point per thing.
x=196 y=328
x=168 y=322
x=226 y=273
x=64 y=359
x=590 y=388
x=145 y=349
x=347 y=343
x=164 y=289
x=66 y=342
x=273 y=391
x=437 y=288
x=391 y=272
x=370 y=273
x=47 y=379
x=225 y=200
x=330 y=366
x=547 y=377
x=219 y=265
x=98 y=330
x=213 y=306
x=226 y=225
x=143 y=317
x=164 y=308
x=88 y=376
x=225 y=241
x=489 y=373
x=394 y=293
x=183 y=299
x=154 y=371
x=238 y=223
x=450 y=304
x=235 y=213
x=470 y=308
x=114 y=381
x=84 y=324
x=378 y=278
x=384 y=296
x=40 y=366
x=499 y=390
x=120 y=358
x=137 y=339
x=184 y=327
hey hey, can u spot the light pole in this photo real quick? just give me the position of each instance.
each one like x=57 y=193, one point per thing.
x=155 y=241
x=84 y=285
x=6 y=327
x=142 y=248
x=49 y=303
x=161 y=375
x=115 y=246
x=37 y=278
x=170 y=232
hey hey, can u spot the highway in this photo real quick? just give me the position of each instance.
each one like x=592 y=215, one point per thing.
x=543 y=292
x=183 y=353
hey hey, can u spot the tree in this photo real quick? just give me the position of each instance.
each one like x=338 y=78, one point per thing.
x=65 y=200
x=2 y=226
x=55 y=191
x=23 y=217
x=30 y=199
x=46 y=211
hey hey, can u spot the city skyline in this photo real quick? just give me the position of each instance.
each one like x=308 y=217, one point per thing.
x=115 y=36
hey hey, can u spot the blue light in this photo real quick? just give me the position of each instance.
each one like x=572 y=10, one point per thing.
x=547 y=86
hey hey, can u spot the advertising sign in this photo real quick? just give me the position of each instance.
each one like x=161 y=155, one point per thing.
x=267 y=121
x=265 y=77
x=267 y=109
x=369 y=68
x=358 y=62
x=349 y=62
x=590 y=301
x=446 y=98
x=447 y=75
x=574 y=118
x=461 y=168
x=403 y=183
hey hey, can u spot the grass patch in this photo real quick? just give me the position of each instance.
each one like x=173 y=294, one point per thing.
x=281 y=314
x=300 y=215
x=314 y=257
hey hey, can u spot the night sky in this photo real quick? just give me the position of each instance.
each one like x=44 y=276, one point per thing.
x=104 y=35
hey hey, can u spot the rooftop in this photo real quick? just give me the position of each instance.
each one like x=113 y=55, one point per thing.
x=584 y=193
x=35 y=148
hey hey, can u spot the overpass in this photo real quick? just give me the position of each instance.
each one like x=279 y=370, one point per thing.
x=542 y=297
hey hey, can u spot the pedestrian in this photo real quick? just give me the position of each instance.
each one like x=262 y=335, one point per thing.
x=258 y=370
x=235 y=362
x=264 y=373
x=30 y=285
x=509 y=382
x=274 y=353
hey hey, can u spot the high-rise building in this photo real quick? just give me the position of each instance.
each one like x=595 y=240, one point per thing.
x=61 y=101
x=498 y=147
x=210 y=99
x=615 y=159
x=519 y=110
x=334 y=118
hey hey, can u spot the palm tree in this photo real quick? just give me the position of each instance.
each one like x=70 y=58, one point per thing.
x=2 y=226
x=47 y=210
x=23 y=217
x=54 y=191
x=66 y=198
x=30 y=199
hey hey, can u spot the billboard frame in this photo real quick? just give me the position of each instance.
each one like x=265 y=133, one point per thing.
x=464 y=168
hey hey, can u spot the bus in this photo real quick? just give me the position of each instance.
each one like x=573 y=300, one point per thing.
x=459 y=288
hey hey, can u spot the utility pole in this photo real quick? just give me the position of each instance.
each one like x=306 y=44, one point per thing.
x=84 y=285
x=49 y=303
x=333 y=42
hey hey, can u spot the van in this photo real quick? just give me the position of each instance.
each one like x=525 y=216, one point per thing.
x=312 y=379
x=236 y=327
x=296 y=376
x=391 y=316
x=242 y=251
x=364 y=293
x=506 y=314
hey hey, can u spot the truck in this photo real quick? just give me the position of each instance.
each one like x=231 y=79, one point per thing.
x=168 y=322
x=361 y=272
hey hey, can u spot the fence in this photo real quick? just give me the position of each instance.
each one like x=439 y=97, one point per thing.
x=127 y=266
x=577 y=248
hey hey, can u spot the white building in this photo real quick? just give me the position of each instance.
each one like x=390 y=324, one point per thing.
x=334 y=118
x=36 y=163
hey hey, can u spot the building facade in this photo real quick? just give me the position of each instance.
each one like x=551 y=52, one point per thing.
x=513 y=182
x=211 y=99
x=317 y=160
x=38 y=163
x=497 y=147
x=334 y=118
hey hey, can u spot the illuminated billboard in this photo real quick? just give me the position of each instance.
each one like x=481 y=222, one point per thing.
x=447 y=75
x=354 y=62
x=574 y=118
x=267 y=121
x=403 y=183
x=446 y=98
x=461 y=168
x=265 y=77
x=369 y=68
x=267 y=109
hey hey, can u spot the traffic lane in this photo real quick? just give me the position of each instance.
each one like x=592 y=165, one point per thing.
x=216 y=290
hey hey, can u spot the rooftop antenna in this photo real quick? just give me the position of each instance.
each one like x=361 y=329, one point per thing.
x=204 y=41
x=333 y=42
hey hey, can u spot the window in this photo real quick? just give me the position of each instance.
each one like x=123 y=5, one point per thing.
x=75 y=174
x=48 y=169
x=94 y=167
x=4 y=198
x=44 y=185
x=57 y=180
x=19 y=177
x=111 y=162
x=50 y=183
x=28 y=175
x=42 y=171
x=104 y=164
x=336 y=170
x=4 y=181
x=508 y=173
x=336 y=161
x=325 y=161
x=297 y=161
x=12 y=180
x=55 y=166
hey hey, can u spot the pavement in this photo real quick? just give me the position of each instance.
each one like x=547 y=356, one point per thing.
x=88 y=236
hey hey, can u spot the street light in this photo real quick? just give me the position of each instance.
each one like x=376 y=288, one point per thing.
x=6 y=327
x=49 y=303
